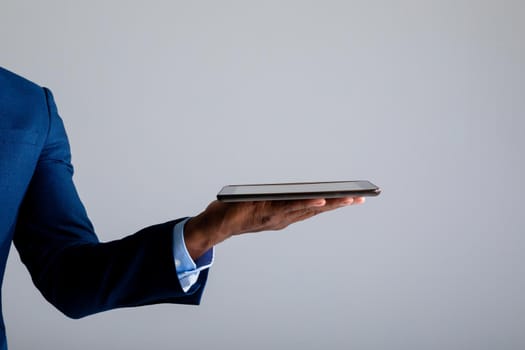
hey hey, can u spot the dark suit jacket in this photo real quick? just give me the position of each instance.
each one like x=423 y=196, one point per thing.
x=41 y=211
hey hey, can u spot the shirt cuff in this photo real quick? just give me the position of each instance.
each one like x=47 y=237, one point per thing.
x=188 y=270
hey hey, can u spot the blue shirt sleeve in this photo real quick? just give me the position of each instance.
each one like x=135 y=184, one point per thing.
x=188 y=270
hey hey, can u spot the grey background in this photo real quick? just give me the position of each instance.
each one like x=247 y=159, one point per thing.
x=167 y=101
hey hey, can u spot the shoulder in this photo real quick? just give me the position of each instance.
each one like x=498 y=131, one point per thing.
x=16 y=86
x=23 y=104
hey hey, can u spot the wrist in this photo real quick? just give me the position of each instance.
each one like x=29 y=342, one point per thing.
x=200 y=236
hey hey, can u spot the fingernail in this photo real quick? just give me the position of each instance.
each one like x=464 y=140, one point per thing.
x=348 y=201
x=319 y=203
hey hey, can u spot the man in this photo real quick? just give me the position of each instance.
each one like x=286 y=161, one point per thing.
x=41 y=212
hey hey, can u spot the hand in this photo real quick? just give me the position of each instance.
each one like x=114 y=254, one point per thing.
x=222 y=220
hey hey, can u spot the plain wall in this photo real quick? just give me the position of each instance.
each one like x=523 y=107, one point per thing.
x=167 y=101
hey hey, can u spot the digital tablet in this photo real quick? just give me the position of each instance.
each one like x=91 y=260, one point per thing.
x=297 y=190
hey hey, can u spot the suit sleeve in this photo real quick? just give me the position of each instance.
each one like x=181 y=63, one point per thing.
x=71 y=268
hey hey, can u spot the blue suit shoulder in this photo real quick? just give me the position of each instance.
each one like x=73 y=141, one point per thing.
x=22 y=103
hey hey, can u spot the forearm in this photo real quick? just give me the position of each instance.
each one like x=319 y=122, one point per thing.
x=82 y=278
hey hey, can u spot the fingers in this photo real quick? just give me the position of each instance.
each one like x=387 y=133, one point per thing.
x=330 y=204
x=359 y=200
x=334 y=203
x=345 y=201
x=295 y=205
x=308 y=212
x=307 y=204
